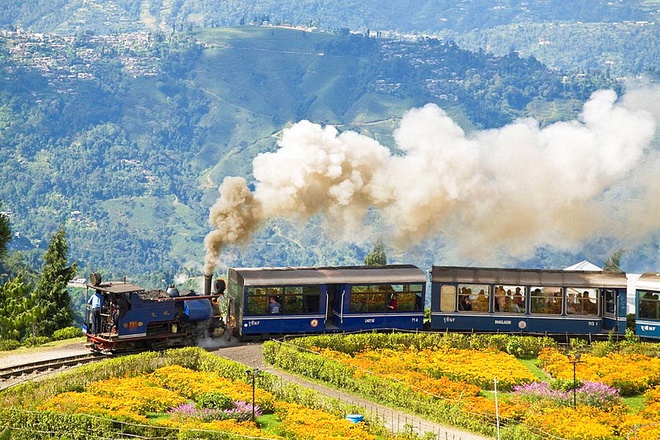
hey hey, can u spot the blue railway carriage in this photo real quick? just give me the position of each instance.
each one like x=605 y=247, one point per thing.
x=266 y=301
x=647 y=302
x=527 y=300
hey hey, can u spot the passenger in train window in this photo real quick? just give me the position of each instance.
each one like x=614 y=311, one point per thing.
x=590 y=307
x=481 y=303
x=518 y=301
x=273 y=305
x=555 y=306
x=571 y=304
x=393 y=304
x=464 y=303
x=537 y=301
x=500 y=299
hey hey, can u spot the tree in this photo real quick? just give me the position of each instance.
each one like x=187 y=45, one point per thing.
x=53 y=299
x=5 y=233
x=18 y=313
x=377 y=257
x=613 y=264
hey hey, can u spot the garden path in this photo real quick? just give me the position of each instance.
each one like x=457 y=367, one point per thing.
x=395 y=420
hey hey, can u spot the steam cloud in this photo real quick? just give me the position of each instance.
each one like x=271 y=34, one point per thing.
x=507 y=190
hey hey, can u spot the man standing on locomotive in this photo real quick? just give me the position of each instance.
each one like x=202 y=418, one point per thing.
x=95 y=302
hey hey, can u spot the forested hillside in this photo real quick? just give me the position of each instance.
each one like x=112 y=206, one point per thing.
x=619 y=35
x=124 y=139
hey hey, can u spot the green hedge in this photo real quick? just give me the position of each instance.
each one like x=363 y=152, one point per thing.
x=519 y=346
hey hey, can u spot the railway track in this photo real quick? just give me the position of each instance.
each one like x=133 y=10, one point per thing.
x=11 y=376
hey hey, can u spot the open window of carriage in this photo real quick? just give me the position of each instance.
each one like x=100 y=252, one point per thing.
x=292 y=300
x=509 y=298
x=546 y=300
x=474 y=298
x=582 y=301
x=386 y=297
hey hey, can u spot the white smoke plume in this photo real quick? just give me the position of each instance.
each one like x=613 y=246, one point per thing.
x=506 y=191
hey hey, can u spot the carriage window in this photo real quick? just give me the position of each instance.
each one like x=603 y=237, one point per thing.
x=610 y=301
x=447 y=298
x=290 y=300
x=648 y=304
x=580 y=301
x=473 y=297
x=386 y=297
x=509 y=299
x=546 y=300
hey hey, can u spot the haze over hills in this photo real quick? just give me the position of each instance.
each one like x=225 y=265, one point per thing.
x=123 y=130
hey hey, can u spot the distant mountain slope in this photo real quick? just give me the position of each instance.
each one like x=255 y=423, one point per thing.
x=620 y=35
x=405 y=16
x=125 y=138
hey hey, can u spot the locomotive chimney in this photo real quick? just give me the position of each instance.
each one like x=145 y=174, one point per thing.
x=207 y=284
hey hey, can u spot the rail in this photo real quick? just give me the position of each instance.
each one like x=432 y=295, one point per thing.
x=14 y=375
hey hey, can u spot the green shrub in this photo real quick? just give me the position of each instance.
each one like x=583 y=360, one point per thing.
x=565 y=384
x=527 y=347
x=9 y=344
x=215 y=400
x=33 y=341
x=67 y=333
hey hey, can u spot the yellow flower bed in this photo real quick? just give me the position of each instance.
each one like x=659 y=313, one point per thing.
x=133 y=398
x=452 y=374
x=460 y=375
x=466 y=366
x=304 y=423
x=192 y=384
x=577 y=424
x=630 y=373
x=89 y=403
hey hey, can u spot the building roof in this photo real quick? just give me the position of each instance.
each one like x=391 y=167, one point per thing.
x=584 y=265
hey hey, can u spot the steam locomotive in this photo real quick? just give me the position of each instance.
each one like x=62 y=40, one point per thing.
x=263 y=302
x=129 y=318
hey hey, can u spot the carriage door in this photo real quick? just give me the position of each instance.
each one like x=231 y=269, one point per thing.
x=609 y=303
x=331 y=302
x=610 y=309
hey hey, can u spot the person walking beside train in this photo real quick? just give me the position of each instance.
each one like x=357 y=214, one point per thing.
x=95 y=302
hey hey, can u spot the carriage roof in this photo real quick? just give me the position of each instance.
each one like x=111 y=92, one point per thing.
x=531 y=277
x=330 y=275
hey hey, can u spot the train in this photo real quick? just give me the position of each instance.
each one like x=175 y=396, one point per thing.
x=128 y=318
x=258 y=303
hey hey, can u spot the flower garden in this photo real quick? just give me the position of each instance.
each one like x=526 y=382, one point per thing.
x=525 y=384
x=451 y=378
x=178 y=394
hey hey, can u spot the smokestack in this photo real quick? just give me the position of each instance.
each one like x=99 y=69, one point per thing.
x=207 y=284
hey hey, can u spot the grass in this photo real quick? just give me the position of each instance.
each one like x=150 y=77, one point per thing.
x=268 y=423
x=531 y=365
x=635 y=403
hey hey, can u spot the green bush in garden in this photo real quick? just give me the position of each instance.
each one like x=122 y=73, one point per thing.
x=67 y=333
x=33 y=341
x=215 y=400
x=520 y=346
x=9 y=344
